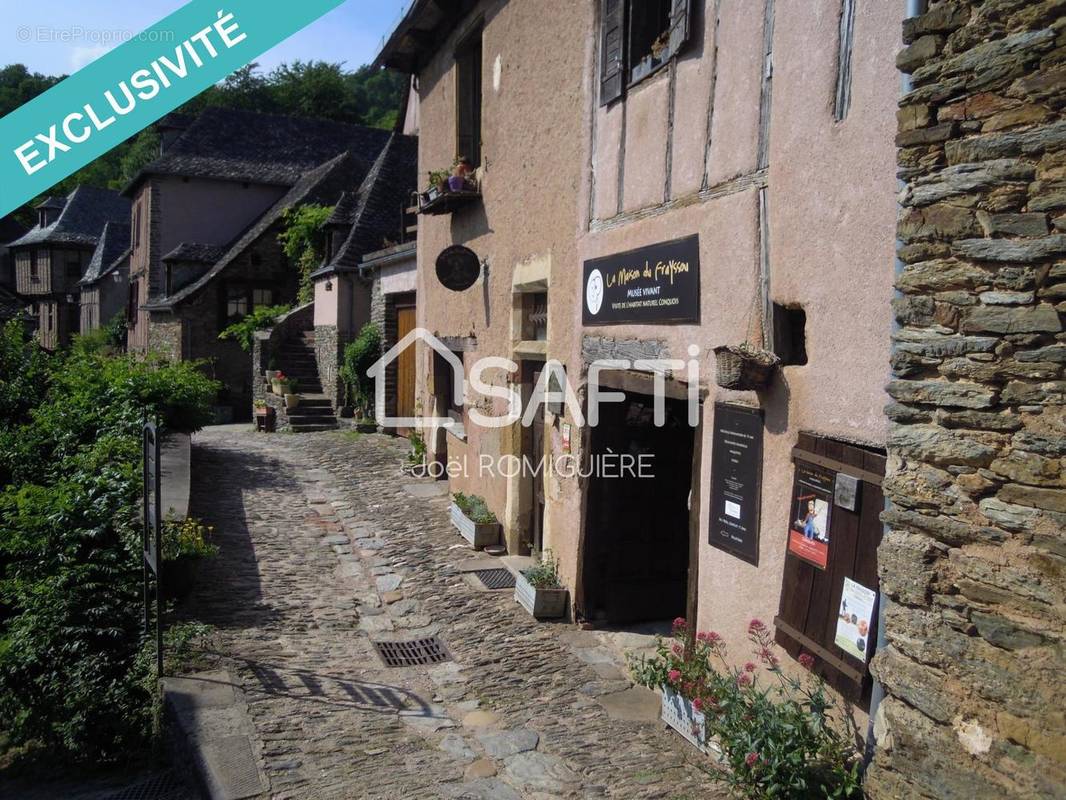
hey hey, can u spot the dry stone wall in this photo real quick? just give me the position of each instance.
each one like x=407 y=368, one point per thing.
x=974 y=558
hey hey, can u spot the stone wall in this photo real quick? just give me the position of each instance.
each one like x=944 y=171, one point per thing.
x=973 y=558
x=328 y=352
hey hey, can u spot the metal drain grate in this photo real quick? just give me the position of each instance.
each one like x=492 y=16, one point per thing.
x=413 y=653
x=164 y=786
x=495 y=578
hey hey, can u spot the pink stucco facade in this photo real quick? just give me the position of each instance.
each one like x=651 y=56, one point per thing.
x=811 y=216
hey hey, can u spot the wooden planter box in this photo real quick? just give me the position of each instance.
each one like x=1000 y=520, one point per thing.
x=541 y=603
x=479 y=534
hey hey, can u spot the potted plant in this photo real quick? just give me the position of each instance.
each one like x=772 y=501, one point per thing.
x=265 y=417
x=474 y=521
x=438 y=184
x=185 y=545
x=743 y=366
x=539 y=591
x=288 y=389
x=277 y=382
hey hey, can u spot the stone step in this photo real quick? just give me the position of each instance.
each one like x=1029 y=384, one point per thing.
x=313 y=428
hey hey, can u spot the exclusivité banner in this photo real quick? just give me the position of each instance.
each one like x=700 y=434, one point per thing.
x=130 y=87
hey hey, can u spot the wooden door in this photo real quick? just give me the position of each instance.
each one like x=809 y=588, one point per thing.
x=405 y=365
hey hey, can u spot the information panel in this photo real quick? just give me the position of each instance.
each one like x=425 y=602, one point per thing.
x=736 y=476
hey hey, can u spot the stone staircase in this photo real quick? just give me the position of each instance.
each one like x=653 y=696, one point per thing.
x=296 y=359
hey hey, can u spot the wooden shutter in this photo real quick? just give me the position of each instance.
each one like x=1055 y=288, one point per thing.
x=613 y=50
x=680 y=23
x=468 y=101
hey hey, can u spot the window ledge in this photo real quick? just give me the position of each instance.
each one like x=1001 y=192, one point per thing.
x=447 y=202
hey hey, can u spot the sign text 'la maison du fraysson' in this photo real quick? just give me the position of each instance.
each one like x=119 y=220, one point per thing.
x=659 y=283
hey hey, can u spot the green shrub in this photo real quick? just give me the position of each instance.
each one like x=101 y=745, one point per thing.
x=416 y=456
x=70 y=542
x=475 y=508
x=359 y=356
x=243 y=331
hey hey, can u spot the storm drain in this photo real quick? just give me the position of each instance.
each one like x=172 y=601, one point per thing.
x=164 y=786
x=495 y=578
x=413 y=653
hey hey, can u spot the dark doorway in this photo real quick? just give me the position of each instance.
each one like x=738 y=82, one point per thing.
x=636 y=548
x=532 y=490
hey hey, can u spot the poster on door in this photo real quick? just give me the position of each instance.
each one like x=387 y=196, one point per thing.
x=855 y=619
x=812 y=500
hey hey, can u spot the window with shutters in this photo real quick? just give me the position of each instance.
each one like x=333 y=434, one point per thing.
x=637 y=38
x=468 y=99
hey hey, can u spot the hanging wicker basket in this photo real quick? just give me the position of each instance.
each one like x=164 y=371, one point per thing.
x=744 y=366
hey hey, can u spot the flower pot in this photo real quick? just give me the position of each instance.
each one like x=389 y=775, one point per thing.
x=743 y=368
x=179 y=576
x=270 y=374
x=292 y=401
x=540 y=603
x=275 y=386
x=478 y=534
x=456 y=183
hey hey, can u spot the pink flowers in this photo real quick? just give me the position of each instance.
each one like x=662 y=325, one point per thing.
x=697 y=704
x=751 y=759
x=710 y=637
x=680 y=624
x=806 y=660
x=678 y=650
x=673 y=676
x=756 y=626
x=749 y=667
x=744 y=679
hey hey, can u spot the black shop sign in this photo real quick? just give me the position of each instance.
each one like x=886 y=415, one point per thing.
x=655 y=284
x=736 y=472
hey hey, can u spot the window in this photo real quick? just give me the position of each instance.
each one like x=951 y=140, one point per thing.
x=35 y=275
x=636 y=38
x=444 y=384
x=789 y=326
x=137 y=225
x=236 y=302
x=262 y=297
x=468 y=99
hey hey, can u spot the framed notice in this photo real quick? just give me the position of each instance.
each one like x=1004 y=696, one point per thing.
x=736 y=477
x=855 y=619
x=812 y=502
x=655 y=284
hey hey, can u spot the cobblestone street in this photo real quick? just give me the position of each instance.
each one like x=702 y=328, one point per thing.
x=326 y=546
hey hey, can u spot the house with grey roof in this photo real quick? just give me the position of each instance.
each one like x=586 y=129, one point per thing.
x=52 y=258
x=105 y=284
x=205 y=223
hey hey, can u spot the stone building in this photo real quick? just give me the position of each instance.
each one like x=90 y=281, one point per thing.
x=206 y=215
x=51 y=258
x=972 y=560
x=105 y=284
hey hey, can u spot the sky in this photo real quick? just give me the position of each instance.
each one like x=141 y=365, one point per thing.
x=57 y=37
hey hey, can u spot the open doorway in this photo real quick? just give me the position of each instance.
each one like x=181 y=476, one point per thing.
x=636 y=541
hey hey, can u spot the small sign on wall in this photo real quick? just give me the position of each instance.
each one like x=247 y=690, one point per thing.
x=655 y=284
x=736 y=477
x=855 y=619
x=812 y=502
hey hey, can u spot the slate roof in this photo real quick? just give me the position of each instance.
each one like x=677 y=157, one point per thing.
x=321 y=185
x=114 y=243
x=379 y=201
x=10 y=304
x=51 y=202
x=236 y=145
x=197 y=252
x=82 y=219
x=344 y=210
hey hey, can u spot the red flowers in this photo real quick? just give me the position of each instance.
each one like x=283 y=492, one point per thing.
x=697 y=704
x=674 y=676
x=756 y=626
x=710 y=637
x=751 y=759
x=806 y=660
x=749 y=667
x=680 y=624
x=280 y=376
x=744 y=679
